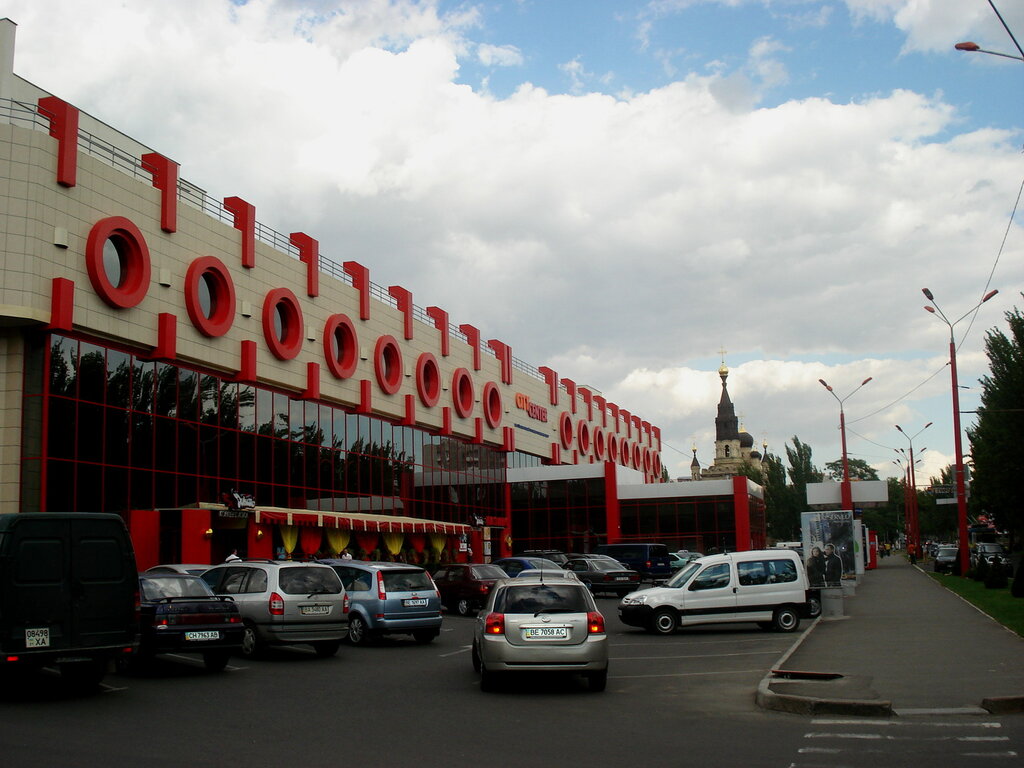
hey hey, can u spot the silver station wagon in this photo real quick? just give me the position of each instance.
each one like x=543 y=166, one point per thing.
x=540 y=624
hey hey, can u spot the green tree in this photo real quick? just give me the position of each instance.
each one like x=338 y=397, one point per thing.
x=995 y=438
x=858 y=468
x=783 y=516
x=801 y=470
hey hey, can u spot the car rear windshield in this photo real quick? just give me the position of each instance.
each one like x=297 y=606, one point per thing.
x=542 y=598
x=304 y=580
x=172 y=586
x=487 y=572
x=406 y=581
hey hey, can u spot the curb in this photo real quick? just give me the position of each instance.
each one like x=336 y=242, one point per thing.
x=1003 y=705
x=813 y=705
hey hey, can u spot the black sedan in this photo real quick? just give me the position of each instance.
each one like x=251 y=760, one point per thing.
x=179 y=614
x=604 y=575
x=947 y=560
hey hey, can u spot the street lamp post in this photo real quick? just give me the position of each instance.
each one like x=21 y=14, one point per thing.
x=916 y=526
x=961 y=491
x=968 y=46
x=846 y=492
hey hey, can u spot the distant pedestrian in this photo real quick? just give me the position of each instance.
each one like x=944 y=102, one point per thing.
x=346 y=555
x=233 y=557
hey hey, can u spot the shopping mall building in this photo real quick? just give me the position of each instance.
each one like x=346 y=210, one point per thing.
x=223 y=385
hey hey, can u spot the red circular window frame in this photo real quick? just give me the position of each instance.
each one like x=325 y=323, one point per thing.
x=624 y=452
x=647 y=460
x=493 y=406
x=583 y=437
x=344 y=365
x=637 y=457
x=222 y=297
x=600 y=443
x=387 y=362
x=657 y=464
x=462 y=392
x=290 y=346
x=428 y=379
x=613 y=448
x=565 y=429
x=137 y=265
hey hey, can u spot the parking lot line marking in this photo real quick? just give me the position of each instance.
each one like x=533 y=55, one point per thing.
x=687 y=674
x=693 y=656
x=463 y=649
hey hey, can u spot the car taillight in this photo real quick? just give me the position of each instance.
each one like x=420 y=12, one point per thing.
x=494 y=624
x=381 y=592
x=485 y=588
x=276 y=605
x=595 y=623
x=346 y=604
x=138 y=606
x=648 y=565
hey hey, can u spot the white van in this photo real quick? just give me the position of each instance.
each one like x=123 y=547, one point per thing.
x=766 y=586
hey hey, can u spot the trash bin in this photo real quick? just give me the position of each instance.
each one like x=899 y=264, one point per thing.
x=831 y=602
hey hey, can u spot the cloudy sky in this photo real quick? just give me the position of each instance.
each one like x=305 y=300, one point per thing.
x=619 y=189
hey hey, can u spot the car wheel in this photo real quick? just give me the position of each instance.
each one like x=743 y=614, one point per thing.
x=326 y=648
x=665 y=621
x=358 y=634
x=424 y=636
x=215 y=661
x=786 y=619
x=463 y=607
x=475 y=655
x=488 y=680
x=252 y=646
x=597 y=681
x=813 y=607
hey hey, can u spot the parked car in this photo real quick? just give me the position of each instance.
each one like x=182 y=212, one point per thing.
x=946 y=560
x=513 y=565
x=651 y=561
x=284 y=602
x=593 y=556
x=69 y=592
x=682 y=557
x=993 y=554
x=768 y=587
x=554 y=555
x=193 y=569
x=464 y=586
x=180 y=614
x=604 y=576
x=388 y=599
x=540 y=625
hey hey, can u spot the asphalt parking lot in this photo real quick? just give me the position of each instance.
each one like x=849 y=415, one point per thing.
x=376 y=704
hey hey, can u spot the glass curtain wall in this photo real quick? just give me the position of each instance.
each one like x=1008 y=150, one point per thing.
x=106 y=430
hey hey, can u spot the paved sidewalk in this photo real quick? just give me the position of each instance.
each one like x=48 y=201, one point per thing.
x=904 y=645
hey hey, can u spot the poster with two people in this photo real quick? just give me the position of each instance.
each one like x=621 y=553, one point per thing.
x=828 y=545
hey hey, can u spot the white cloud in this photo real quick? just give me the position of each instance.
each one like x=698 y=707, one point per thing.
x=499 y=55
x=621 y=241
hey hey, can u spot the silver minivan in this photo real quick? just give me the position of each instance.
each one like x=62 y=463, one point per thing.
x=284 y=602
x=768 y=587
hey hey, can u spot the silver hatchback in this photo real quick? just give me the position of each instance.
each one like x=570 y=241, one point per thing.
x=284 y=603
x=539 y=624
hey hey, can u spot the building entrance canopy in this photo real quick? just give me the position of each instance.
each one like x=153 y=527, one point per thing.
x=348 y=521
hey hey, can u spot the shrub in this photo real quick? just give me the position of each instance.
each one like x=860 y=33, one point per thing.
x=996 y=579
x=1017 y=588
x=981 y=570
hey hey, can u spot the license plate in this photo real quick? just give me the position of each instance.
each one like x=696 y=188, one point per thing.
x=208 y=635
x=414 y=602
x=545 y=633
x=314 y=610
x=37 y=638
x=622 y=578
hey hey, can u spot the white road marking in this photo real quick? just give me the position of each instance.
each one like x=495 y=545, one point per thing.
x=687 y=674
x=897 y=723
x=693 y=656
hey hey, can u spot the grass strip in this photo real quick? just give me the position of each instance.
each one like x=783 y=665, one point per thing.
x=997 y=603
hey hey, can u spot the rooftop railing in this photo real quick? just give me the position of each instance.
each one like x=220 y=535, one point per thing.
x=27 y=115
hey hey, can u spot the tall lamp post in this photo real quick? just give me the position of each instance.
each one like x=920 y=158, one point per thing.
x=974 y=47
x=845 y=490
x=961 y=492
x=915 y=526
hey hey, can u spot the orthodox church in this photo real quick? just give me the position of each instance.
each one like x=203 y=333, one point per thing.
x=733 y=444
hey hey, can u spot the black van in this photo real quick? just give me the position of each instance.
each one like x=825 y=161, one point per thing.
x=651 y=561
x=69 y=593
